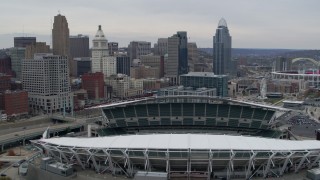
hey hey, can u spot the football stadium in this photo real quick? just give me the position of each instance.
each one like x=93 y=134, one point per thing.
x=188 y=137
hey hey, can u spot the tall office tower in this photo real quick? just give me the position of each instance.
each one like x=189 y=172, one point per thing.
x=123 y=65
x=162 y=46
x=38 y=47
x=155 y=61
x=192 y=55
x=60 y=36
x=155 y=49
x=99 y=50
x=17 y=54
x=171 y=65
x=5 y=82
x=60 y=39
x=222 y=49
x=282 y=64
x=24 y=41
x=5 y=63
x=101 y=61
x=82 y=65
x=177 y=63
x=113 y=48
x=46 y=79
x=79 y=46
x=138 y=48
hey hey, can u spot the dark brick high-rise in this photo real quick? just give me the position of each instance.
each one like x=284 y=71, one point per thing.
x=94 y=84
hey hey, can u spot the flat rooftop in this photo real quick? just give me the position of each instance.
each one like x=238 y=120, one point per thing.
x=204 y=74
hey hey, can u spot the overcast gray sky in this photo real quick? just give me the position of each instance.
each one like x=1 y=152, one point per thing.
x=291 y=24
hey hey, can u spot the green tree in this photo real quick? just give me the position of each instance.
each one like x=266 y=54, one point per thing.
x=5 y=178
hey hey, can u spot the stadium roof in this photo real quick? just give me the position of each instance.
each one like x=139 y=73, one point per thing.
x=261 y=105
x=185 y=142
x=141 y=100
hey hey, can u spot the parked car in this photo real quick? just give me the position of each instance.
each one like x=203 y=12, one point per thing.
x=17 y=164
x=23 y=169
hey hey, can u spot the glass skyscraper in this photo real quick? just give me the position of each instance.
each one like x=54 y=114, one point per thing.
x=183 y=52
x=222 y=49
x=17 y=54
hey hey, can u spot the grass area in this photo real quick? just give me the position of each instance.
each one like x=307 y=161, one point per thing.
x=272 y=100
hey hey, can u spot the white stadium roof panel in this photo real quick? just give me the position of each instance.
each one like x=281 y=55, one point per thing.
x=185 y=141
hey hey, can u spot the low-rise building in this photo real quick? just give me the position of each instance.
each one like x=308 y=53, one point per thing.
x=123 y=86
x=207 y=80
x=94 y=84
x=181 y=90
x=232 y=89
x=3 y=116
x=79 y=98
x=151 y=84
x=143 y=71
x=244 y=84
x=14 y=103
x=286 y=87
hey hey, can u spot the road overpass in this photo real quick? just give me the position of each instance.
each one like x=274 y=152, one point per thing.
x=14 y=138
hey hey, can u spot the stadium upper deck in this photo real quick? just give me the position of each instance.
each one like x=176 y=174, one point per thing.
x=189 y=112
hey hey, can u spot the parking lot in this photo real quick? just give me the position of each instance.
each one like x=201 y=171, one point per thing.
x=301 y=120
x=10 y=168
x=303 y=125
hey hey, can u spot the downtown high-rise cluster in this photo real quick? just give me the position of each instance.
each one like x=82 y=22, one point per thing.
x=72 y=74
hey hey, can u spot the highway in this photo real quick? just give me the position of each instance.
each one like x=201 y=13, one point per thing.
x=13 y=129
x=13 y=133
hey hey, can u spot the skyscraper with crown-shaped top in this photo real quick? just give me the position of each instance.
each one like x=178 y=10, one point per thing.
x=222 y=49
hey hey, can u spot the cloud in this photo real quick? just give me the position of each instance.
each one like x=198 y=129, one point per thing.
x=270 y=24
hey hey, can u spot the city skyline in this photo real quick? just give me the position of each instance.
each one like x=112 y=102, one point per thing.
x=289 y=24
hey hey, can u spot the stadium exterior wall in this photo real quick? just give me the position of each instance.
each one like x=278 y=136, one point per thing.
x=186 y=154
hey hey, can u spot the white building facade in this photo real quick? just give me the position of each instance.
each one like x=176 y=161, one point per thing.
x=46 y=78
x=101 y=61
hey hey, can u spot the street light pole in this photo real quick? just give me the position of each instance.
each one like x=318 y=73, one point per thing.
x=20 y=147
x=24 y=135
